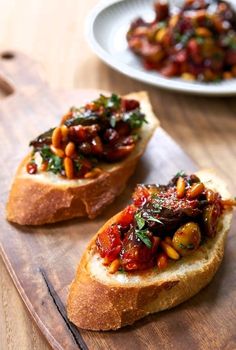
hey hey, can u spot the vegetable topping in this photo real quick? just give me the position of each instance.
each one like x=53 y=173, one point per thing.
x=196 y=41
x=106 y=129
x=164 y=222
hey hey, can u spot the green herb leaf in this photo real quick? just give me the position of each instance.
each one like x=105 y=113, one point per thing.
x=55 y=164
x=142 y=235
x=77 y=164
x=190 y=246
x=113 y=121
x=140 y=221
x=109 y=102
x=200 y=40
x=46 y=153
x=157 y=204
x=135 y=119
x=121 y=270
x=113 y=102
x=182 y=246
x=151 y=218
x=161 y=24
x=180 y=173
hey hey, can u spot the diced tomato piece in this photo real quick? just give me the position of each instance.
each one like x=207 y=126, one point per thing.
x=129 y=105
x=193 y=47
x=135 y=255
x=109 y=243
x=111 y=136
x=31 y=168
x=170 y=70
x=140 y=196
x=127 y=216
x=119 y=152
x=194 y=51
x=80 y=133
x=181 y=56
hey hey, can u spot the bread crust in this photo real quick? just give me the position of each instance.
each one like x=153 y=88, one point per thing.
x=99 y=301
x=36 y=200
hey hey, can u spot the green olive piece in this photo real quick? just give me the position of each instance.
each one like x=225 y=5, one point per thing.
x=187 y=238
x=210 y=219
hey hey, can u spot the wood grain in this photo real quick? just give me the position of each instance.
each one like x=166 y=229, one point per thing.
x=205 y=128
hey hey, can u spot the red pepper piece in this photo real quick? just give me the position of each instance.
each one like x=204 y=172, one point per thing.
x=127 y=216
x=109 y=242
x=140 y=196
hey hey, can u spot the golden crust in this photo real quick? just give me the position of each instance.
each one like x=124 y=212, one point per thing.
x=34 y=201
x=99 y=302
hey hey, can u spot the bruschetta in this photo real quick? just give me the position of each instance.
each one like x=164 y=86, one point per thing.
x=79 y=167
x=156 y=253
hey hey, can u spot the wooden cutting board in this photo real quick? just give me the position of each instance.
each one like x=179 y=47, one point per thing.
x=42 y=260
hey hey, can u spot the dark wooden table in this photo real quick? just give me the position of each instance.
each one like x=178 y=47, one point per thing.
x=52 y=33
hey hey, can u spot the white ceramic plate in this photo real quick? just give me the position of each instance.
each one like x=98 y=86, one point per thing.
x=106 y=29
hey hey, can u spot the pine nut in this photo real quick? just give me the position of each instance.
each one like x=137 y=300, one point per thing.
x=69 y=169
x=114 y=266
x=64 y=132
x=180 y=187
x=56 y=137
x=204 y=32
x=188 y=76
x=106 y=261
x=227 y=75
x=57 y=151
x=195 y=190
x=170 y=251
x=93 y=173
x=70 y=149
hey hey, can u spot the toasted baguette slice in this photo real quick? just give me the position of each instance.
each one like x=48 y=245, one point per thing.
x=47 y=198
x=102 y=301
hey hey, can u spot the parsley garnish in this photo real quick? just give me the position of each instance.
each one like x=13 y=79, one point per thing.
x=77 y=164
x=142 y=235
x=109 y=102
x=46 y=153
x=140 y=221
x=113 y=101
x=189 y=246
x=200 y=40
x=121 y=270
x=113 y=121
x=180 y=173
x=182 y=246
x=151 y=218
x=135 y=119
x=157 y=204
x=161 y=24
x=55 y=164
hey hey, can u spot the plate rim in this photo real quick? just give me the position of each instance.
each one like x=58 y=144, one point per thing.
x=127 y=70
